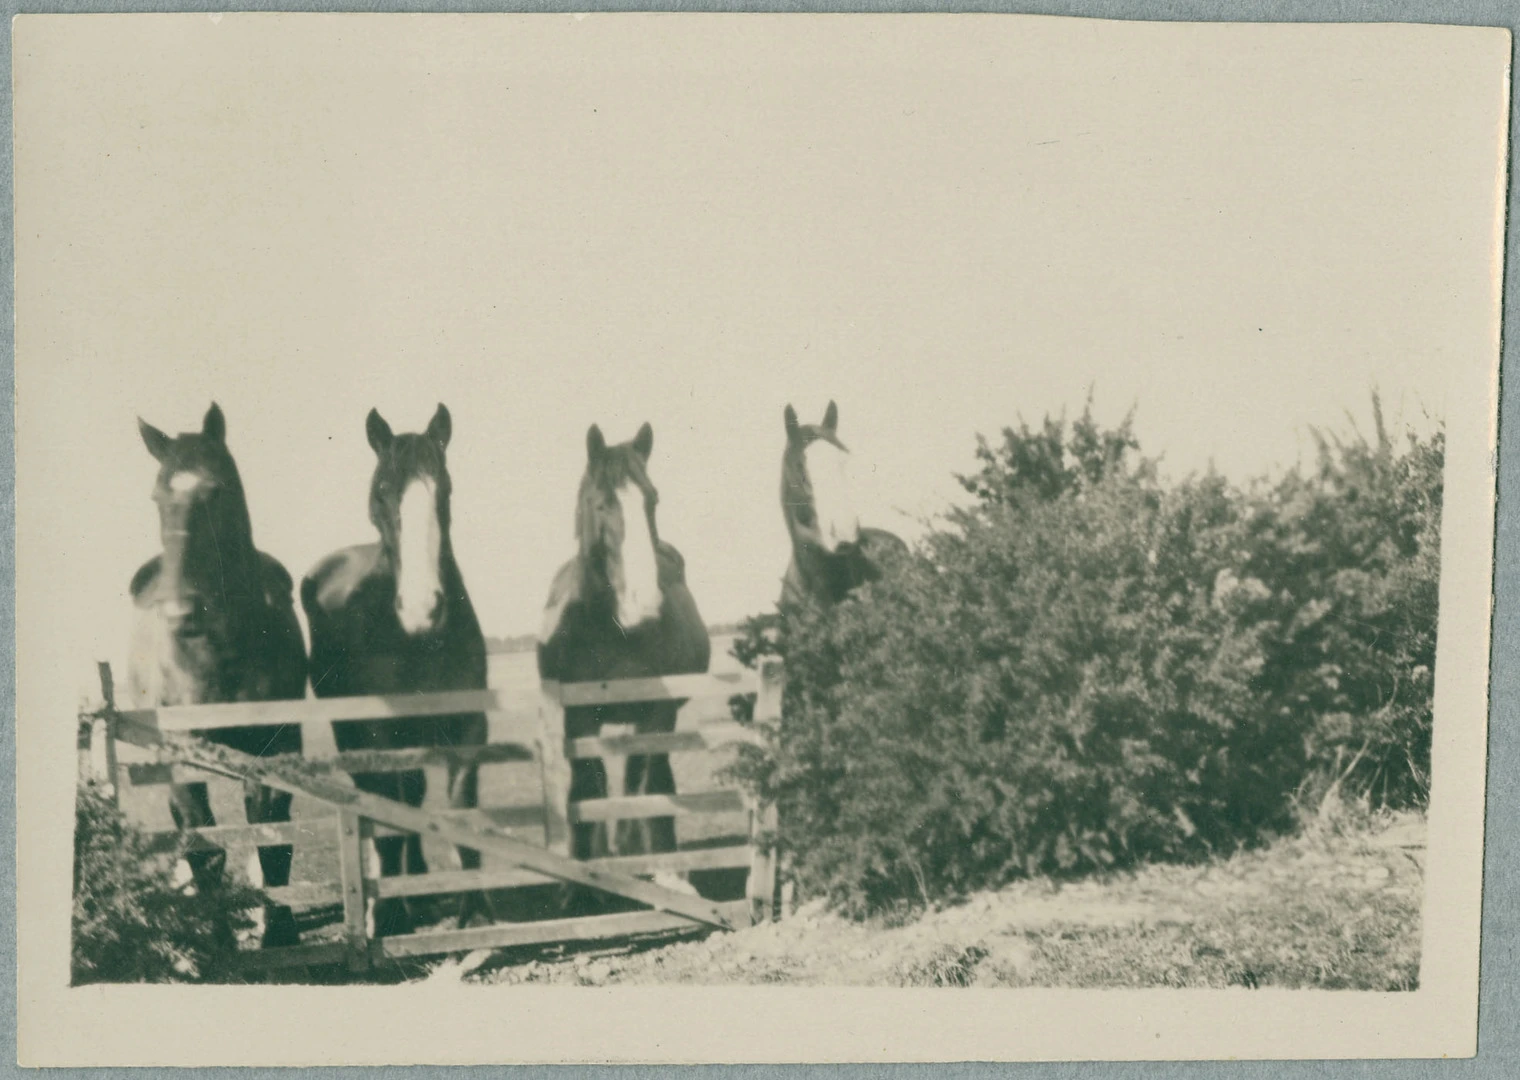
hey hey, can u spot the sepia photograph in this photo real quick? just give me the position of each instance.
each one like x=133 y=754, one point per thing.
x=807 y=538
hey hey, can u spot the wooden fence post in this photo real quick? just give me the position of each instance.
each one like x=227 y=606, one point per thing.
x=353 y=834
x=763 y=820
x=108 y=695
x=84 y=750
x=556 y=770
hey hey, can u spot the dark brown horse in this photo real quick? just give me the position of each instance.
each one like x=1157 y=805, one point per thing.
x=216 y=623
x=394 y=617
x=621 y=609
x=831 y=553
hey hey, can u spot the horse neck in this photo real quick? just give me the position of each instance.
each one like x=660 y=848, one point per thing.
x=217 y=553
x=214 y=570
x=594 y=592
x=816 y=567
x=449 y=575
x=455 y=600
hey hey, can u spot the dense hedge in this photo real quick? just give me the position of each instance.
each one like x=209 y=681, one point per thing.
x=1091 y=667
x=131 y=923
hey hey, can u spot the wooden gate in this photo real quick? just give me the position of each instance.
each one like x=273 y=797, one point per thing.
x=521 y=828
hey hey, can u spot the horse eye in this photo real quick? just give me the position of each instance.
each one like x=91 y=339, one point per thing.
x=804 y=515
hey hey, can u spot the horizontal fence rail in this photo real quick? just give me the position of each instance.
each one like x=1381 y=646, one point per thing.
x=407 y=706
x=524 y=845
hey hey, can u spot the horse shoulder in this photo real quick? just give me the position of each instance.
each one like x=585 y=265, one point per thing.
x=690 y=651
x=279 y=588
x=793 y=590
x=330 y=586
x=144 y=580
x=563 y=592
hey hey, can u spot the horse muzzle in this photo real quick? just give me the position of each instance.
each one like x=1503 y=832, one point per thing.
x=635 y=611
x=421 y=618
x=178 y=610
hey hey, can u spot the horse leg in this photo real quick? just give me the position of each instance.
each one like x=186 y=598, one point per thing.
x=588 y=780
x=651 y=774
x=463 y=780
x=389 y=915
x=619 y=768
x=588 y=840
x=464 y=794
x=201 y=866
x=269 y=865
x=204 y=865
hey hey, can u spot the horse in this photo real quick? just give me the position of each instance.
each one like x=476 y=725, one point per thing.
x=832 y=554
x=216 y=622
x=620 y=609
x=394 y=617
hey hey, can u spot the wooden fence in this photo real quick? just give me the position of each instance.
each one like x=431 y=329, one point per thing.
x=522 y=825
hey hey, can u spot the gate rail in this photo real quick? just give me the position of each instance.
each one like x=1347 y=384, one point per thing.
x=333 y=822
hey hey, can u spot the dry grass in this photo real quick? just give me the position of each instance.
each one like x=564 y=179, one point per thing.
x=1335 y=908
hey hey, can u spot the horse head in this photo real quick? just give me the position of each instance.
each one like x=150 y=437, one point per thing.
x=202 y=515
x=615 y=526
x=815 y=485
x=409 y=505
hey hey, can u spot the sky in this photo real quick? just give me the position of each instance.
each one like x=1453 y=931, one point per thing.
x=1238 y=234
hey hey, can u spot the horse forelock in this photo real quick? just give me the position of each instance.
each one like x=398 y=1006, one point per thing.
x=616 y=468
x=409 y=506
x=196 y=456
x=796 y=484
x=203 y=516
x=408 y=458
x=616 y=488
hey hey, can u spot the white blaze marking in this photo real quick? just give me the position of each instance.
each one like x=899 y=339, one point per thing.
x=828 y=469
x=182 y=483
x=418 y=590
x=639 y=596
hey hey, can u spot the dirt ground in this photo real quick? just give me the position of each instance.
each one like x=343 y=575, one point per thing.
x=1336 y=907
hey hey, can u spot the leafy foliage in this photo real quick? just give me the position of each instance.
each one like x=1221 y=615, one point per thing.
x=1090 y=667
x=131 y=923
x=1351 y=554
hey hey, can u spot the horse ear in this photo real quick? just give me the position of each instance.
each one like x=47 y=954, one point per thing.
x=379 y=432
x=831 y=417
x=440 y=427
x=643 y=442
x=595 y=444
x=156 y=441
x=215 y=425
x=791 y=423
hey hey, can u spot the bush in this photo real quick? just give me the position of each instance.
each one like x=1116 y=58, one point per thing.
x=130 y=922
x=1351 y=552
x=1091 y=668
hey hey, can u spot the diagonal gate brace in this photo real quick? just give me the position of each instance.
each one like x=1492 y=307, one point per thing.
x=319 y=781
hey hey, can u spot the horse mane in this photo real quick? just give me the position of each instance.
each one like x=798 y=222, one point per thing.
x=672 y=565
x=410 y=455
x=813 y=572
x=609 y=469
